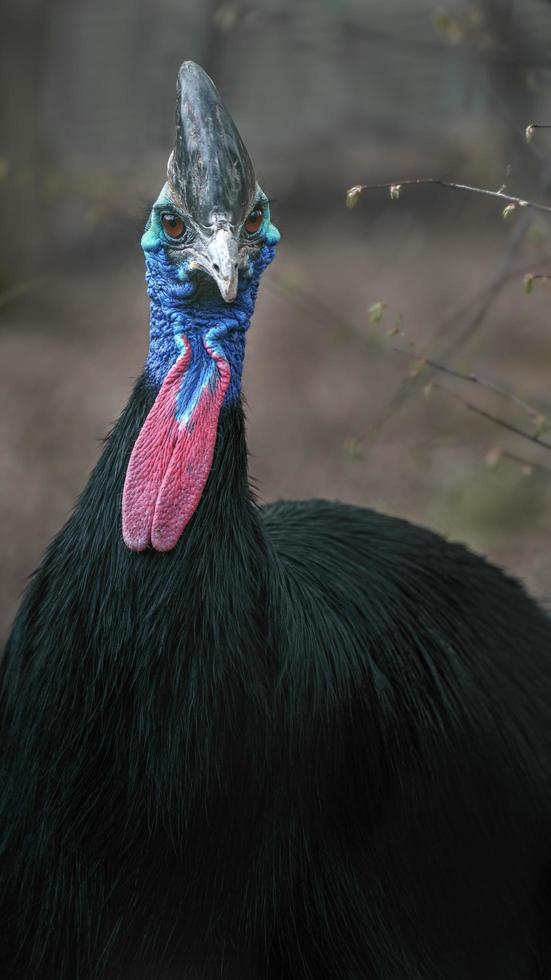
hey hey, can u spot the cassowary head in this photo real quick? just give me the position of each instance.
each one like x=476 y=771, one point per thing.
x=207 y=240
x=211 y=218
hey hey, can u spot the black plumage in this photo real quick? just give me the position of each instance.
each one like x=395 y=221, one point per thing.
x=312 y=742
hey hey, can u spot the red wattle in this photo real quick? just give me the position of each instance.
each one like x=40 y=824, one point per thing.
x=170 y=462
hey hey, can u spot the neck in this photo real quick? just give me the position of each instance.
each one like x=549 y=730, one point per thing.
x=194 y=364
x=218 y=560
x=177 y=312
x=145 y=646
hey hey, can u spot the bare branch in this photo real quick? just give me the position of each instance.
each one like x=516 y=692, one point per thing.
x=531 y=277
x=494 y=418
x=395 y=186
x=525 y=464
x=313 y=306
x=531 y=128
x=534 y=413
x=479 y=308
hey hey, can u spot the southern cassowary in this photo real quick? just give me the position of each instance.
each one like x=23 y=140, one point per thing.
x=302 y=741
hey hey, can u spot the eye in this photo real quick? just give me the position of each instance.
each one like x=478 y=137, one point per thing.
x=173 y=226
x=253 y=222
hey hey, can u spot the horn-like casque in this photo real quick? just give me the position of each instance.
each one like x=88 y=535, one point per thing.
x=210 y=173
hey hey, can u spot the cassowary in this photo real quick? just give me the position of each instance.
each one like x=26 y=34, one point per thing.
x=301 y=741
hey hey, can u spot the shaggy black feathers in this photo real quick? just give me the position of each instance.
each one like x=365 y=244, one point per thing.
x=311 y=743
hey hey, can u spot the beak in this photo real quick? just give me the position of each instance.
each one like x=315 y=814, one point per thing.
x=218 y=256
x=222 y=263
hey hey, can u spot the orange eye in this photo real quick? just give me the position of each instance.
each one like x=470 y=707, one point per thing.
x=254 y=221
x=173 y=225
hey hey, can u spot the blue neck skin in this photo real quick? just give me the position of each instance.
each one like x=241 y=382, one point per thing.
x=207 y=319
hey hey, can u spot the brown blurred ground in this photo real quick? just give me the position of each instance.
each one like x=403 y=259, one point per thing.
x=396 y=98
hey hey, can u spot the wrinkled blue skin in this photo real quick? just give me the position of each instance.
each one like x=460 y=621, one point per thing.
x=186 y=302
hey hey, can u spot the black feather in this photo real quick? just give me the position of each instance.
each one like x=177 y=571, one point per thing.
x=310 y=743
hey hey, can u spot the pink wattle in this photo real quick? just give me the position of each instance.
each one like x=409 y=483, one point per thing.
x=170 y=462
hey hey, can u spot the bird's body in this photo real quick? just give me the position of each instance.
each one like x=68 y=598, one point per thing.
x=304 y=742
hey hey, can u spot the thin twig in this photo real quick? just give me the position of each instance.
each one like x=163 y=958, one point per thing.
x=493 y=418
x=531 y=276
x=312 y=305
x=505 y=454
x=480 y=313
x=395 y=186
x=534 y=413
x=483 y=301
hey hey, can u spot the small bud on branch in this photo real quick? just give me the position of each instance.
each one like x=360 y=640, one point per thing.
x=493 y=457
x=497 y=454
x=376 y=311
x=395 y=188
x=531 y=129
x=353 y=196
x=531 y=277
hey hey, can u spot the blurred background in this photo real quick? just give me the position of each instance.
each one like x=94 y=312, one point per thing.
x=341 y=400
